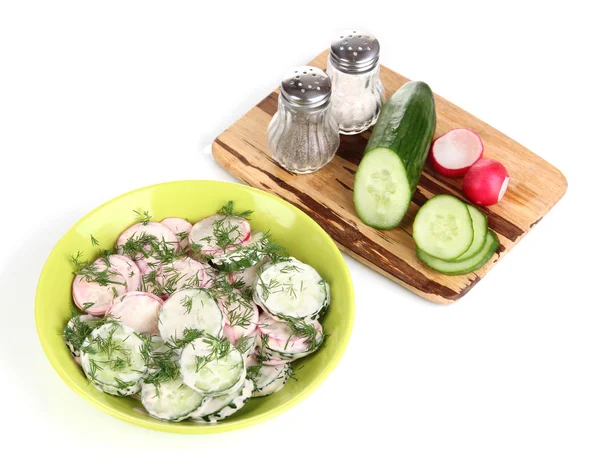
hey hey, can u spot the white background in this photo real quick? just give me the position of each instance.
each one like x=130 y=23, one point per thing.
x=99 y=98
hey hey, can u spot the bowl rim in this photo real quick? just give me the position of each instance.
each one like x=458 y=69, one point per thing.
x=200 y=428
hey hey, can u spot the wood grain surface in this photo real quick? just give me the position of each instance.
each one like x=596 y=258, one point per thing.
x=535 y=186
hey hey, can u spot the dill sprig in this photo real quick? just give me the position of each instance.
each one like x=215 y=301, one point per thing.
x=302 y=329
x=94 y=240
x=244 y=344
x=143 y=217
x=227 y=209
x=220 y=348
x=92 y=272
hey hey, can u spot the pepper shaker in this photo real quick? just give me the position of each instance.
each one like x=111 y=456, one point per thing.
x=353 y=67
x=303 y=135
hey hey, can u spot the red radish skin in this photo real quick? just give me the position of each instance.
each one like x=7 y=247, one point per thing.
x=486 y=182
x=453 y=153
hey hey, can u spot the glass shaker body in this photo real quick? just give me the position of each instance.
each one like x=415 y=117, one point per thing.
x=356 y=99
x=303 y=135
x=357 y=95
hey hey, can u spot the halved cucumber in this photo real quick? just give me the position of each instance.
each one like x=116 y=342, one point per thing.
x=212 y=367
x=443 y=227
x=382 y=192
x=464 y=266
x=387 y=175
x=480 y=229
x=215 y=409
x=171 y=400
x=112 y=360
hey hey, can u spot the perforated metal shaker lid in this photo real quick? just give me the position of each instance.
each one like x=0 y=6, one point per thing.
x=306 y=87
x=355 y=51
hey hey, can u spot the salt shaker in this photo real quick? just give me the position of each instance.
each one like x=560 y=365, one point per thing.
x=353 y=67
x=303 y=135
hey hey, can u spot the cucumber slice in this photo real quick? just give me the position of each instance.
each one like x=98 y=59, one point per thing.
x=464 y=266
x=212 y=367
x=78 y=329
x=171 y=400
x=382 y=192
x=215 y=409
x=112 y=360
x=291 y=289
x=190 y=309
x=268 y=379
x=480 y=229
x=443 y=227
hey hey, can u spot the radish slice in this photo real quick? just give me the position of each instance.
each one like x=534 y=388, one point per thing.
x=486 y=182
x=246 y=276
x=243 y=314
x=203 y=235
x=453 y=153
x=95 y=298
x=147 y=263
x=183 y=273
x=127 y=268
x=179 y=226
x=281 y=338
x=138 y=310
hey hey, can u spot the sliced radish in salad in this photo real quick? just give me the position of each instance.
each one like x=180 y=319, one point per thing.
x=180 y=227
x=146 y=243
x=486 y=182
x=127 y=268
x=184 y=273
x=453 y=153
x=241 y=315
x=218 y=233
x=98 y=288
x=138 y=310
x=287 y=341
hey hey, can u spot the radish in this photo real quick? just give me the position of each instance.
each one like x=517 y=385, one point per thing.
x=453 y=153
x=486 y=182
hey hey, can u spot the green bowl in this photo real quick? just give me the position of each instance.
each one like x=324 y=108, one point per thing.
x=194 y=200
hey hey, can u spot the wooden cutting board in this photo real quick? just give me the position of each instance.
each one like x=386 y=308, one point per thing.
x=535 y=186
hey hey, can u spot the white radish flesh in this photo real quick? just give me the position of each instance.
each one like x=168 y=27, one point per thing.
x=180 y=227
x=204 y=233
x=453 y=153
x=162 y=234
x=138 y=310
x=183 y=273
x=128 y=269
x=281 y=338
x=243 y=313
